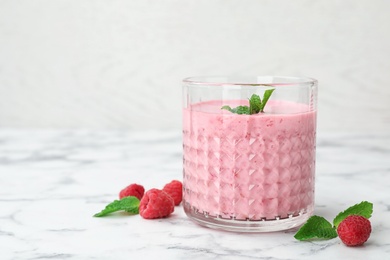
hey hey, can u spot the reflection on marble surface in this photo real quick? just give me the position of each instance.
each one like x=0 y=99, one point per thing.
x=52 y=182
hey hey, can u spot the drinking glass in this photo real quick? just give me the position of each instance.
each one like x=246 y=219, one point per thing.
x=249 y=172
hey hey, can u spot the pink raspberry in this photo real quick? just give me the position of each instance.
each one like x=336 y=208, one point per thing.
x=156 y=204
x=175 y=190
x=134 y=189
x=354 y=230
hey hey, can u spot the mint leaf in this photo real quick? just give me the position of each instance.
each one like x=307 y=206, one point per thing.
x=237 y=110
x=129 y=204
x=363 y=209
x=316 y=227
x=266 y=96
x=254 y=104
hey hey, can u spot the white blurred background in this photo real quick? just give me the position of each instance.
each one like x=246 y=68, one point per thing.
x=119 y=63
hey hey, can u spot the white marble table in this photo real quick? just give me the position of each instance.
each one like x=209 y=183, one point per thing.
x=52 y=182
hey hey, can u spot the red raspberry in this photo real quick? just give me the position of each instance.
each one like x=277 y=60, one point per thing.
x=156 y=204
x=175 y=190
x=134 y=189
x=354 y=230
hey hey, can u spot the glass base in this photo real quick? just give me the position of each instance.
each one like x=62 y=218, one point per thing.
x=254 y=226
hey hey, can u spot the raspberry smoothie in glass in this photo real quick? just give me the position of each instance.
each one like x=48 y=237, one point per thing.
x=249 y=172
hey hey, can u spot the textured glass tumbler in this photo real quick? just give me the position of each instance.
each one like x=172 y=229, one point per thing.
x=249 y=172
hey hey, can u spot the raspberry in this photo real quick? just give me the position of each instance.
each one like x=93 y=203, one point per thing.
x=175 y=190
x=134 y=189
x=354 y=230
x=156 y=204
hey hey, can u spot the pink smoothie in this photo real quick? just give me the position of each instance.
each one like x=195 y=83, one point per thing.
x=249 y=167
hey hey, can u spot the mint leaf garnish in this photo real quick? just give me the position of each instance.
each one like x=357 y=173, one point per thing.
x=238 y=110
x=363 y=209
x=129 y=204
x=255 y=104
x=316 y=227
x=266 y=96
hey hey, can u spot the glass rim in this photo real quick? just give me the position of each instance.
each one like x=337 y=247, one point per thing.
x=229 y=81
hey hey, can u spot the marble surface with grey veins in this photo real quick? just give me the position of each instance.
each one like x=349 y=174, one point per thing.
x=52 y=182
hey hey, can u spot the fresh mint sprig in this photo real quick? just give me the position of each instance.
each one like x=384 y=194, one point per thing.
x=363 y=209
x=316 y=227
x=129 y=204
x=319 y=227
x=241 y=110
x=256 y=105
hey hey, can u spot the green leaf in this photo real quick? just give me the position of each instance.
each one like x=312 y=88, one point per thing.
x=227 y=108
x=316 y=227
x=237 y=110
x=363 y=209
x=254 y=104
x=129 y=204
x=266 y=96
